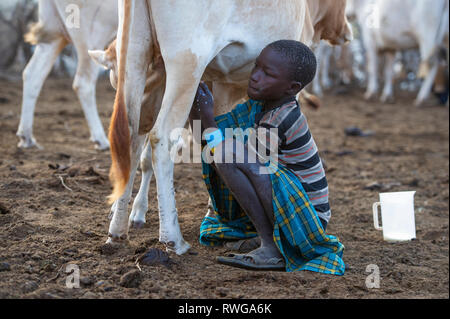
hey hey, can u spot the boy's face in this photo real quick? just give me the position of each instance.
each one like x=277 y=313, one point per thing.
x=270 y=79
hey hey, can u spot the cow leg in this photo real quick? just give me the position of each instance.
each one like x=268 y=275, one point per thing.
x=316 y=86
x=320 y=55
x=114 y=207
x=140 y=205
x=427 y=85
x=118 y=228
x=181 y=85
x=372 y=70
x=169 y=228
x=84 y=85
x=137 y=62
x=388 y=91
x=325 y=71
x=34 y=76
x=345 y=65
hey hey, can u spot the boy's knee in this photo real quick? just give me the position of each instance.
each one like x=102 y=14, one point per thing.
x=225 y=168
x=223 y=154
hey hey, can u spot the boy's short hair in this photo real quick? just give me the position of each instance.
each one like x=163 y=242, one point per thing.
x=303 y=62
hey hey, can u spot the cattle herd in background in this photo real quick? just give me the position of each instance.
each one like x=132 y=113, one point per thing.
x=340 y=68
x=409 y=36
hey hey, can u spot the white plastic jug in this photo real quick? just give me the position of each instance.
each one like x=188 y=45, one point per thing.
x=397 y=216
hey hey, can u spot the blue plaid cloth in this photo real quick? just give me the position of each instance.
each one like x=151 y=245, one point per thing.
x=298 y=232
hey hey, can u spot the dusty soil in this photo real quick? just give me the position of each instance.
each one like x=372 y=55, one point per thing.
x=46 y=225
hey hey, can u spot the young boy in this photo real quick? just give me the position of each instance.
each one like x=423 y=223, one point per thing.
x=285 y=201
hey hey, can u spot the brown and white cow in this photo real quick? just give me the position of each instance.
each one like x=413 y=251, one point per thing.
x=85 y=24
x=216 y=41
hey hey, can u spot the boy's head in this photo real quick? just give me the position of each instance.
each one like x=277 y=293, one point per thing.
x=282 y=70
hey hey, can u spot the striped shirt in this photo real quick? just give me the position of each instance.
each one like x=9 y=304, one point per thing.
x=298 y=152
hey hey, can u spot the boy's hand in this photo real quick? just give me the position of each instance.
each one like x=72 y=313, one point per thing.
x=204 y=101
x=204 y=106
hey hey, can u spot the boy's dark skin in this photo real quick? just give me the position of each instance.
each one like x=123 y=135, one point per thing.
x=270 y=82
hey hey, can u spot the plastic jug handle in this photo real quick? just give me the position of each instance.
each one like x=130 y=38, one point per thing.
x=376 y=223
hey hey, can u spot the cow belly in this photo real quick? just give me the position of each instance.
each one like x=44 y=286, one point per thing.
x=232 y=65
x=400 y=41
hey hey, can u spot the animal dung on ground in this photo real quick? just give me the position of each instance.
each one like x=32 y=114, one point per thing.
x=3 y=209
x=376 y=186
x=154 y=257
x=356 y=131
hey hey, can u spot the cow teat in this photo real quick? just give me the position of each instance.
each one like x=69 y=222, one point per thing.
x=348 y=36
x=107 y=61
x=99 y=56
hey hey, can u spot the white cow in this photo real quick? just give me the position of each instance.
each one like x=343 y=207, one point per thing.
x=343 y=63
x=324 y=54
x=182 y=42
x=86 y=24
x=391 y=25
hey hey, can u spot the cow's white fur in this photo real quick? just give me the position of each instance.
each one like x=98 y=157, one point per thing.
x=398 y=25
x=324 y=53
x=98 y=26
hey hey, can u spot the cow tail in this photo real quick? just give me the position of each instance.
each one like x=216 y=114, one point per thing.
x=34 y=35
x=119 y=132
x=427 y=57
x=37 y=33
x=443 y=26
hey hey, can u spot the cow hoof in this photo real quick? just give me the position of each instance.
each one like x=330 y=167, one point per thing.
x=117 y=239
x=387 y=99
x=369 y=96
x=101 y=146
x=137 y=224
x=418 y=103
x=28 y=143
x=179 y=249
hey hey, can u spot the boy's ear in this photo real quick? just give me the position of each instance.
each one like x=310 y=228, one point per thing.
x=295 y=87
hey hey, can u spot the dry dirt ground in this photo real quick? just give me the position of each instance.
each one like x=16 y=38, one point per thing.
x=44 y=226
